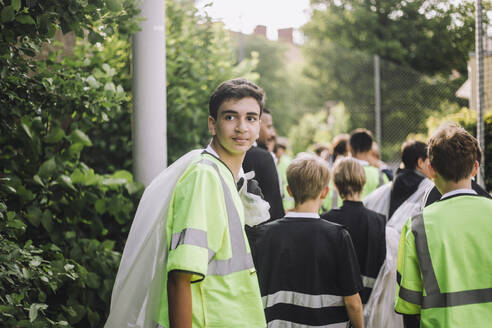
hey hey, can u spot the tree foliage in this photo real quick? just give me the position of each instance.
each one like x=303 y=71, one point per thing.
x=430 y=36
x=320 y=127
x=288 y=92
x=61 y=222
x=419 y=42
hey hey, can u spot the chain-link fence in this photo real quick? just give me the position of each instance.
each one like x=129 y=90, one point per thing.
x=404 y=98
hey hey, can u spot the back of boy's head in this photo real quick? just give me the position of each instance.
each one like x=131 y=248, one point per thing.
x=360 y=141
x=349 y=176
x=307 y=176
x=411 y=151
x=340 y=145
x=235 y=89
x=453 y=152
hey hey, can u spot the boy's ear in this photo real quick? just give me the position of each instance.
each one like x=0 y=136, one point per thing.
x=324 y=192
x=476 y=167
x=432 y=172
x=211 y=125
x=289 y=191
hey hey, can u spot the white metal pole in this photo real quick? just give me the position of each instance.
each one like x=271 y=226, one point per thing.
x=480 y=91
x=377 y=96
x=149 y=93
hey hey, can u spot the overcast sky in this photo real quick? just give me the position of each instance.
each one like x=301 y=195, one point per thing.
x=244 y=15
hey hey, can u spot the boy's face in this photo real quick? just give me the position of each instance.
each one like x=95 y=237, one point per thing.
x=267 y=131
x=237 y=125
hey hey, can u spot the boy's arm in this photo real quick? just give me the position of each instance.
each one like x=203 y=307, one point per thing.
x=179 y=299
x=353 y=304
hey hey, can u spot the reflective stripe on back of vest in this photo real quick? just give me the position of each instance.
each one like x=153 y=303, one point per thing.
x=434 y=298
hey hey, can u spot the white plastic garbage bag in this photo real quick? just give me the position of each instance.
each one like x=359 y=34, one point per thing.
x=379 y=199
x=379 y=310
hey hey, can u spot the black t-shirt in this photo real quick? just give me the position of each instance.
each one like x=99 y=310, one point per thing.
x=367 y=229
x=305 y=266
x=261 y=161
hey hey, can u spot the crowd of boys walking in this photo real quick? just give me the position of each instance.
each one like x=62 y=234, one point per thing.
x=306 y=267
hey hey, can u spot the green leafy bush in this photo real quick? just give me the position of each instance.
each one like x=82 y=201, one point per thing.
x=62 y=224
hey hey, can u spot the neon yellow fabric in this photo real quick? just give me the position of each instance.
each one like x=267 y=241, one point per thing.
x=328 y=201
x=283 y=163
x=458 y=233
x=372 y=179
x=198 y=203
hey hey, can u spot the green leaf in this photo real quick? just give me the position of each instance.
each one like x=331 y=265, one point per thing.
x=16 y=224
x=123 y=174
x=100 y=206
x=34 y=216
x=16 y=4
x=108 y=244
x=66 y=181
x=8 y=14
x=38 y=180
x=93 y=280
x=111 y=182
x=47 y=221
x=33 y=310
x=95 y=37
x=27 y=130
x=55 y=135
x=25 y=19
x=47 y=168
x=79 y=136
x=114 y=5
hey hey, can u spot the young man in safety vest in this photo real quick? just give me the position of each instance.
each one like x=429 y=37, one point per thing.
x=361 y=148
x=211 y=280
x=444 y=258
x=307 y=267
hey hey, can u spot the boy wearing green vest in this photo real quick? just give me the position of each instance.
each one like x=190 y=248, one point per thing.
x=211 y=280
x=361 y=148
x=444 y=260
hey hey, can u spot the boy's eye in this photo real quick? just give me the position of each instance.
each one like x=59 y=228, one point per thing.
x=229 y=117
x=252 y=118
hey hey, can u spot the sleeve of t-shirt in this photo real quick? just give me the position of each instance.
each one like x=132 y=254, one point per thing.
x=199 y=222
x=409 y=280
x=348 y=278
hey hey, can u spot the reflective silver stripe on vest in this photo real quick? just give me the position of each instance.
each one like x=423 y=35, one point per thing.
x=434 y=297
x=241 y=259
x=301 y=299
x=368 y=281
x=334 y=199
x=410 y=295
x=189 y=236
x=288 y=324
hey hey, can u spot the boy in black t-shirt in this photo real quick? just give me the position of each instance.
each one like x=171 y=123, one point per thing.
x=307 y=267
x=367 y=228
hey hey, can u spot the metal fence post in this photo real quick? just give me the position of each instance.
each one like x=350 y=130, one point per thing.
x=377 y=98
x=480 y=91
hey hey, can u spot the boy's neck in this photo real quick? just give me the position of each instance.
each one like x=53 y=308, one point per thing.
x=233 y=161
x=353 y=197
x=309 y=206
x=445 y=186
x=363 y=156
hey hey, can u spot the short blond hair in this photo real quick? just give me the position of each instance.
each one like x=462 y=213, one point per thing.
x=307 y=175
x=349 y=176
